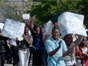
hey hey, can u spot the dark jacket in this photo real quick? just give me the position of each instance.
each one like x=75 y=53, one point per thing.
x=3 y=42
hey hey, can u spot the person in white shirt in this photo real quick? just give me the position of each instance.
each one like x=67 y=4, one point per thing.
x=14 y=51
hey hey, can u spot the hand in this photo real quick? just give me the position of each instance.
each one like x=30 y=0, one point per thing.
x=24 y=36
x=77 y=35
x=84 y=55
x=16 y=38
x=34 y=17
x=46 y=37
x=79 y=39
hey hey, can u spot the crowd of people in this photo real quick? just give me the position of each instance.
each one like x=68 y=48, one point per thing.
x=44 y=50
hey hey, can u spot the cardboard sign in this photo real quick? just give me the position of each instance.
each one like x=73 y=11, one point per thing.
x=48 y=27
x=71 y=23
x=1 y=25
x=26 y=16
x=13 y=29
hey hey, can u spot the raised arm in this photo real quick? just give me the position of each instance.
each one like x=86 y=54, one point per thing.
x=78 y=41
x=74 y=44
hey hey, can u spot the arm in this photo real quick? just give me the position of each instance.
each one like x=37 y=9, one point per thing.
x=71 y=47
x=70 y=50
x=54 y=51
x=49 y=49
x=17 y=41
x=29 y=41
x=32 y=21
x=45 y=38
x=78 y=41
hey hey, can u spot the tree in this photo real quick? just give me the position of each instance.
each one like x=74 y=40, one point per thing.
x=85 y=11
x=48 y=9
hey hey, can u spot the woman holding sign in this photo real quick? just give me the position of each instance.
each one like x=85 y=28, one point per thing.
x=23 y=48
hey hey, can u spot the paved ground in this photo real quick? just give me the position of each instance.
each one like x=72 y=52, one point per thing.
x=8 y=65
x=11 y=65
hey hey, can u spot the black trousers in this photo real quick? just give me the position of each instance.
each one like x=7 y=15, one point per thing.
x=8 y=54
x=2 y=58
x=37 y=58
x=14 y=50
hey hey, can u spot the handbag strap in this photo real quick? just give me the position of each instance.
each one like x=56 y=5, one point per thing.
x=60 y=42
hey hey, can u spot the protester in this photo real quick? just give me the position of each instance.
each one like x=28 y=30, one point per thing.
x=3 y=42
x=14 y=51
x=23 y=48
x=8 y=55
x=55 y=48
x=71 y=42
x=46 y=36
x=39 y=46
x=81 y=53
x=31 y=24
x=32 y=28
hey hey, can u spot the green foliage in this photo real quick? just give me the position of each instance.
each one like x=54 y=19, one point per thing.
x=48 y=9
x=85 y=11
x=45 y=11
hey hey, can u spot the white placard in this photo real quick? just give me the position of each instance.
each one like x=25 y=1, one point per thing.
x=26 y=16
x=48 y=27
x=1 y=25
x=71 y=23
x=13 y=29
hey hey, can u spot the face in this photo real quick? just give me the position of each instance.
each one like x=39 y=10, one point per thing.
x=55 y=34
x=26 y=30
x=38 y=30
x=68 y=39
x=42 y=30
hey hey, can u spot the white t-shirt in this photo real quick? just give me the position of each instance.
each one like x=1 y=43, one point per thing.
x=29 y=32
x=13 y=42
x=84 y=50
